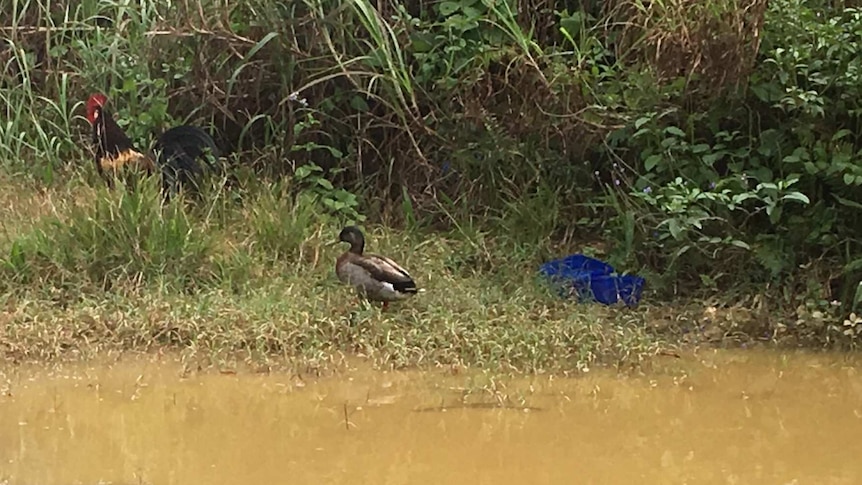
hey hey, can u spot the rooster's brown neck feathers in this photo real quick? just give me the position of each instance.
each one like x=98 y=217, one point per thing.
x=114 y=149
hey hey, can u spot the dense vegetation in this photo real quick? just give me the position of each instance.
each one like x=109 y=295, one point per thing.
x=713 y=146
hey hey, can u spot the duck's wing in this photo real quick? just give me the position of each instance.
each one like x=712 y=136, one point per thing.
x=385 y=270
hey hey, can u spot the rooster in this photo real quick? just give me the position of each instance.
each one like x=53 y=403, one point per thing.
x=176 y=151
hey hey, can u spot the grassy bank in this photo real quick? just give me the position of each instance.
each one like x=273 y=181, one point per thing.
x=247 y=273
x=87 y=271
x=476 y=139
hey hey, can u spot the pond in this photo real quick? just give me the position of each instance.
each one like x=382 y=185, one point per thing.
x=716 y=417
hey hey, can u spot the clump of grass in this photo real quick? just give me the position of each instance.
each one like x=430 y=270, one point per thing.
x=118 y=236
x=281 y=223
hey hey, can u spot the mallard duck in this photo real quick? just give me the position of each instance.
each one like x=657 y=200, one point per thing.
x=375 y=277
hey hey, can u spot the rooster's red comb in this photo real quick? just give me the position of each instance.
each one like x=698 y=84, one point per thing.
x=96 y=100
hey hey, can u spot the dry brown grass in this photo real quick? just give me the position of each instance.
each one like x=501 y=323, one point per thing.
x=23 y=202
x=715 y=40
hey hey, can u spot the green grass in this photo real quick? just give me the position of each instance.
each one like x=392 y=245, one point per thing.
x=87 y=271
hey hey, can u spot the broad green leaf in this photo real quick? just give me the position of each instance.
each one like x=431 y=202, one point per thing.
x=471 y=12
x=448 y=8
x=711 y=158
x=841 y=134
x=673 y=130
x=675 y=229
x=651 y=162
x=358 y=103
x=848 y=202
x=740 y=244
x=797 y=196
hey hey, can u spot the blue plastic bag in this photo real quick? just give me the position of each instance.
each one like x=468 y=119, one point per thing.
x=593 y=280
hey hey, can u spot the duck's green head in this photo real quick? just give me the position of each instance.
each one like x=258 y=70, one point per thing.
x=353 y=236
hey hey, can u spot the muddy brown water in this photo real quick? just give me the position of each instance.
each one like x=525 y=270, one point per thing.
x=741 y=417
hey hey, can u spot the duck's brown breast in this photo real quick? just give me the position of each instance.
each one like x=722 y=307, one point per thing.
x=339 y=265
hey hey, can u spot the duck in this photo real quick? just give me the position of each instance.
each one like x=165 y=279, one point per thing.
x=375 y=277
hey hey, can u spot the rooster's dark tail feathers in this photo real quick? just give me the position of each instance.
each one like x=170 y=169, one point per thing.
x=180 y=151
